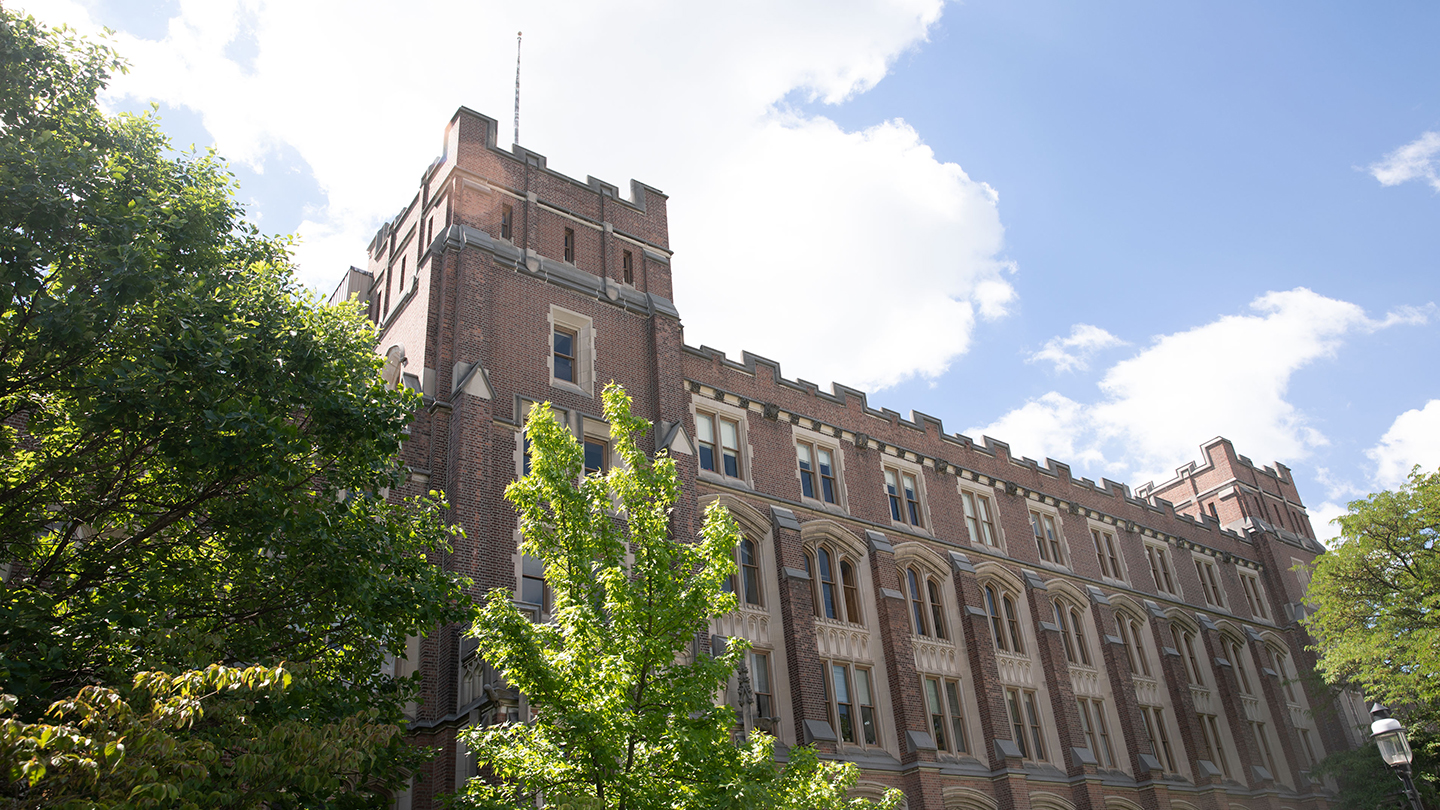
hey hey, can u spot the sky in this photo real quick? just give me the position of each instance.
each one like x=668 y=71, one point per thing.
x=1103 y=233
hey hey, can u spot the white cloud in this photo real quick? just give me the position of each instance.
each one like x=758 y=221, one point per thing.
x=1320 y=517
x=1416 y=160
x=1228 y=377
x=1413 y=438
x=1074 y=352
x=765 y=201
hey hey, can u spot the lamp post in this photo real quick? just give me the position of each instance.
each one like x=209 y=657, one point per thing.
x=1389 y=737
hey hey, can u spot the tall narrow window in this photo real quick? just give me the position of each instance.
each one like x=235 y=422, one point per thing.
x=402 y=274
x=937 y=713
x=1192 y=663
x=978 y=519
x=1160 y=569
x=892 y=493
x=912 y=499
x=827 y=474
x=429 y=236
x=749 y=571
x=807 y=469
x=1032 y=713
x=957 y=720
x=507 y=222
x=997 y=625
x=1263 y=741
x=1281 y=668
x=730 y=446
x=1154 y=719
x=760 y=678
x=814 y=591
x=1237 y=658
x=817 y=471
x=867 y=706
x=1012 y=619
x=1120 y=625
x=1209 y=582
x=1047 y=539
x=705 y=438
x=844 y=708
x=1107 y=553
x=570 y=245
x=917 y=603
x=827 y=583
x=1017 y=721
x=388 y=275
x=627 y=267
x=852 y=592
x=1096 y=731
x=1254 y=596
x=597 y=454
x=1310 y=758
x=566 y=341
x=1069 y=643
x=1210 y=731
x=1078 y=628
x=1137 y=635
x=937 y=608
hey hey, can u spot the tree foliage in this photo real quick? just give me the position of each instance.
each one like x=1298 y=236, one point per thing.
x=195 y=450
x=625 y=710
x=1375 y=607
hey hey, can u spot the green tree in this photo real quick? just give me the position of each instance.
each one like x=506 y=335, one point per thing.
x=625 y=711
x=194 y=451
x=1375 y=614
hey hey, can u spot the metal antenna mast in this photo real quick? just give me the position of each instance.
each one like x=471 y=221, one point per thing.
x=518 y=35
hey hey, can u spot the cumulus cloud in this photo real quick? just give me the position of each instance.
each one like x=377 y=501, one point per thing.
x=1416 y=160
x=1228 y=377
x=766 y=201
x=1413 y=438
x=1074 y=352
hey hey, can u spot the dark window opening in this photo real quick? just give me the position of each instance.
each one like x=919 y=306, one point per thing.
x=507 y=220
x=565 y=355
x=627 y=264
x=570 y=245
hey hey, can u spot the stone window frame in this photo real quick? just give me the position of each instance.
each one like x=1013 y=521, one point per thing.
x=932 y=586
x=996 y=527
x=816 y=439
x=1069 y=615
x=1254 y=595
x=740 y=416
x=832 y=708
x=1162 y=552
x=1211 y=589
x=1131 y=628
x=947 y=714
x=1029 y=725
x=902 y=467
x=583 y=327
x=840 y=556
x=1032 y=509
x=736 y=584
x=1105 y=529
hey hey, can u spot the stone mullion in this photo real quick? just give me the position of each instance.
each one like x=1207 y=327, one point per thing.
x=797 y=614
x=1002 y=755
x=912 y=725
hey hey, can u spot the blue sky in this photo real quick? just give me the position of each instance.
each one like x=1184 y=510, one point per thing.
x=1103 y=232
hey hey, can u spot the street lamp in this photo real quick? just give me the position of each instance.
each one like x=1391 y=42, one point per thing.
x=1389 y=737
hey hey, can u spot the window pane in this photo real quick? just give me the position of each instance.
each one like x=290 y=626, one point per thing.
x=937 y=718
x=867 y=705
x=564 y=343
x=704 y=429
x=827 y=583
x=729 y=434
x=957 y=720
x=917 y=608
x=760 y=671
x=937 y=608
x=564 y=369
x=594 y=457
x=852 y=592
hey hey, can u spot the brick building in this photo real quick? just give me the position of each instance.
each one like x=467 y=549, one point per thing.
x=978 y=630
